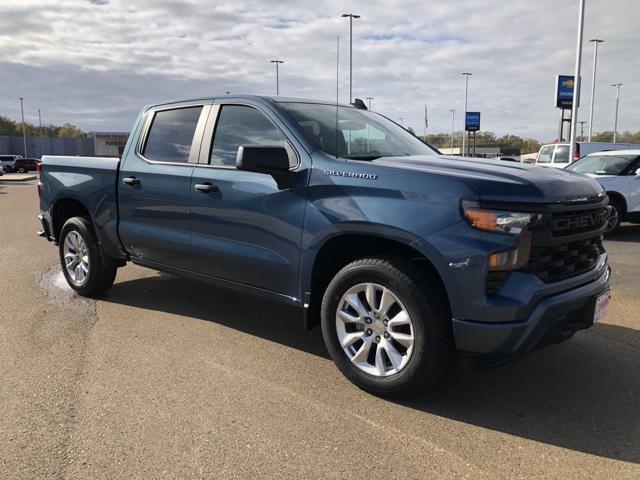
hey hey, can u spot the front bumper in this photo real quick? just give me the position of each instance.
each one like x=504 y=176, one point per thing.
x=553 y=319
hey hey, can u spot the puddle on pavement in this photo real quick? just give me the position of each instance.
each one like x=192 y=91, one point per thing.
x=60 y=293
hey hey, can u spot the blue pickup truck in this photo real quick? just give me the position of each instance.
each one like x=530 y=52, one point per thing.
x=408 y=259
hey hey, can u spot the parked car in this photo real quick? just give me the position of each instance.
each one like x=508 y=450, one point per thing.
x=1 y=170
x=619 y=173
x=404 y=256
x=7 y=162
x=556 y=155
x=23 y=165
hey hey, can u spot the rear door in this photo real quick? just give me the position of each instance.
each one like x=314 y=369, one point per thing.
x=247 y=228
x=154 y=186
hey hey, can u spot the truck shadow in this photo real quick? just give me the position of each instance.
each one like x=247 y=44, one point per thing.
x=257 y=316
x=582 y=395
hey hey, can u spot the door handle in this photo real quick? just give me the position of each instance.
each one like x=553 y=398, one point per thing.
x=132 y=181
x=205 y=187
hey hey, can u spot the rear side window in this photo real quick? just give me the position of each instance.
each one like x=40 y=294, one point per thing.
x=562 y=154
x=171 y=135
x=545 y=154
x=240 y=125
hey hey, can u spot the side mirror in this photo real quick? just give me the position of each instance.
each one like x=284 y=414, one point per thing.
x=262 y=159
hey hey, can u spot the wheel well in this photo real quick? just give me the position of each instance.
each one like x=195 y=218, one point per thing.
x=619 y=198
x=62 y=211
x=342 y=250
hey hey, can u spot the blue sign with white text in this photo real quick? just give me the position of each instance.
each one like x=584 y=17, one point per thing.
x=472 y=122
x=564 y=91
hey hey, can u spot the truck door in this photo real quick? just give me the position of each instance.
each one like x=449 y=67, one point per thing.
x=245 y=226
x=155 y=185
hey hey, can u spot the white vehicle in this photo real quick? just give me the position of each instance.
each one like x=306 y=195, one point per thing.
x=556 y=155
x=619 y=173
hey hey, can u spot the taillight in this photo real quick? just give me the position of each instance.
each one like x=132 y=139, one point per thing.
x=39 y=185
x=576 y=152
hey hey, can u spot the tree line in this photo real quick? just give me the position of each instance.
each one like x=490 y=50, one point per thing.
x=10 y=128
x=509 y=144
x=515 y=145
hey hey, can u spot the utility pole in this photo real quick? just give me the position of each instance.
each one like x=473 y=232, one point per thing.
x=277 y=62
x=24 y=130
x=595 y=42
x=370 y=98
x=582 y=130
x=41 y=137
x=351 y=17
x=401 y=121
x=576 y=82
x=453 y=122
x=615 y=124
x=464 y=119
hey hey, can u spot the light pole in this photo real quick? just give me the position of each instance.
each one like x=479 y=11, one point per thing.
x=595 y=42
x=464 y=119
x=351 y=17
x=277 y=62
x=453 y=122
x=582 y=130
x=576 y=82
x=615 y=124
x=370 y=98
x=41 y=139
x=24 y=131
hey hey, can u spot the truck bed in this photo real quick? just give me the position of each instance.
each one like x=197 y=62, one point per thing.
x=82 y=182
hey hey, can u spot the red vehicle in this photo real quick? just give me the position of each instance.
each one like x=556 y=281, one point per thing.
x=23 y=165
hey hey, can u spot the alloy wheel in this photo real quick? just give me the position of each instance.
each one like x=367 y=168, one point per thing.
x=374 y=329
x=76 y=257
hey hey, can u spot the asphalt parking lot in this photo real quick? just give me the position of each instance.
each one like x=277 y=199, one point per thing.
x=168 y=378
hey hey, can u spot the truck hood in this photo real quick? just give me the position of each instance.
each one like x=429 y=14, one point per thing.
x=496 y=180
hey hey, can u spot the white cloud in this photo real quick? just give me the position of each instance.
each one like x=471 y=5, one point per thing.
x=96 y=63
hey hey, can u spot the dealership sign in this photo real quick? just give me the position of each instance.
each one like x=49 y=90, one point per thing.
x=472 y=121
x=564 y=91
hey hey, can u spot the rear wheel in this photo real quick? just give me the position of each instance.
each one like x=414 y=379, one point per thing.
x=385 y=324
x=83 y=265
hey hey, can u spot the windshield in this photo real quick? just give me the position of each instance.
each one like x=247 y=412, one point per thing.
x=602 y=164
x=361 y=135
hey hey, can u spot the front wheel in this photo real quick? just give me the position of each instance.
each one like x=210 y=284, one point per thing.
x=386 y=326
x=83 y=265
x=615 y=217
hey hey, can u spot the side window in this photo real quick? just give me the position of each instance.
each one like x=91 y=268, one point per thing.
x=240 y=125
x=545 y=154
x=171 y=134
x=562 y=154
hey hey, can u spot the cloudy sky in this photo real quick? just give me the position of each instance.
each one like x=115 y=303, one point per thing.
x=96 y=63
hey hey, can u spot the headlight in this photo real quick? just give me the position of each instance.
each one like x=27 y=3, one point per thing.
x=501 y=221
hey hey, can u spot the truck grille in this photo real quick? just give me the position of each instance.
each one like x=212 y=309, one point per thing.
x=577 y=221
x=555 y=263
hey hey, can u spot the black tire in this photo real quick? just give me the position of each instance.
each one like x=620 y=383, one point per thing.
x=617 y=212
x=102 y=272
x=426 y=304
x=21 y=170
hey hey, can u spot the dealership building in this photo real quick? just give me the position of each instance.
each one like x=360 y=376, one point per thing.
x=108 y=144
